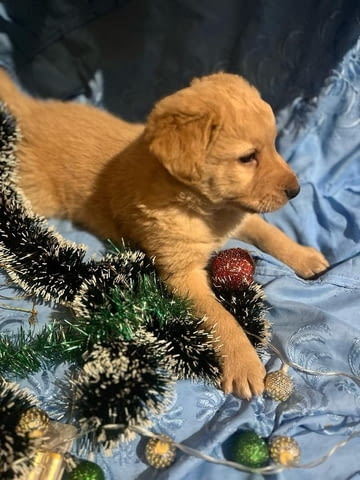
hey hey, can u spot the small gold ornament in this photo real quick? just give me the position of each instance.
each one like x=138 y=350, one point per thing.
x=34 y=422
x=160 y=453
x=278 y=385
x=284 y=451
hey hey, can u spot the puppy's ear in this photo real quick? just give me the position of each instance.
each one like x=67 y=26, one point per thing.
x=180 y=141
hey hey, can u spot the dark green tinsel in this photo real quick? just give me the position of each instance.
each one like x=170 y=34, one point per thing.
x=248 y=306
x=17 y=450
x=118 y=387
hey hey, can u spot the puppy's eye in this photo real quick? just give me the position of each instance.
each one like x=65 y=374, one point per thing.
x=248 y=158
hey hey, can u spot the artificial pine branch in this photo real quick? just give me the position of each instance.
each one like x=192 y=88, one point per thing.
x=146 y=303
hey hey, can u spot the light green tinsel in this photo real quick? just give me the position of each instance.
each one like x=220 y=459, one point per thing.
x=26 y=352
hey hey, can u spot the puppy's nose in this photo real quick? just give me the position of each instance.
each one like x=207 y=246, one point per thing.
x=292 y=192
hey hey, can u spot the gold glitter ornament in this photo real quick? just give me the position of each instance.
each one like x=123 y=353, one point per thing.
x=160 y=453
x=279 y=385
x=34 y=422
x=284 y=451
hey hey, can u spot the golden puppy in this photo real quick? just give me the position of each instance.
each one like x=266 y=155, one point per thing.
x=196 y=174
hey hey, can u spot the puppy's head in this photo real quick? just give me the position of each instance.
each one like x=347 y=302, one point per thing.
x=218 y=136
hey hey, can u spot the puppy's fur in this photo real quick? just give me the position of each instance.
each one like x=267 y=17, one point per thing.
x=196 y=174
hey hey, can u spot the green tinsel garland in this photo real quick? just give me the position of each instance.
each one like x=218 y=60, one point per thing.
x=145 y=305
x=17 y=449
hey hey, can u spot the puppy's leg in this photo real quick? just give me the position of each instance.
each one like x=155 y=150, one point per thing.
x=306 y=261
x=243 y=372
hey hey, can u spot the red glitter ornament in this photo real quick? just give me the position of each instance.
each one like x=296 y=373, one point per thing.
x=233 y=268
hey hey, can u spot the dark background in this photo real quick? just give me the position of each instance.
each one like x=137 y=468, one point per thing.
x=146 y=49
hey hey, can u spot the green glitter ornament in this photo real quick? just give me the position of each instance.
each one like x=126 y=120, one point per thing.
x=86 y=470
x=249 y=449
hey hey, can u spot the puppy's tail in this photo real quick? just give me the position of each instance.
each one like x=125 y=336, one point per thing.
x=11 y=94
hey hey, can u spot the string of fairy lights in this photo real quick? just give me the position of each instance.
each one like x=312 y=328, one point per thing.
x=160 y=450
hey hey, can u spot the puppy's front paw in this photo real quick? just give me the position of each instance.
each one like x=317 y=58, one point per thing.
x=243 y=372
x=308 y=262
